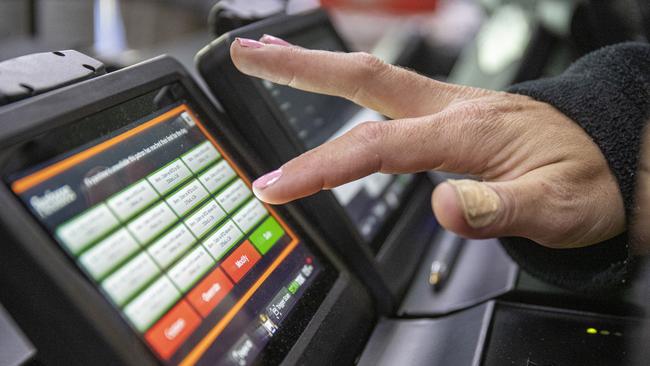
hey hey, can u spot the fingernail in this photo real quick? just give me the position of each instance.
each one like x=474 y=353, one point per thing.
x=249 y=43
x=267 y=38
x=267 y=179
x=480 y=203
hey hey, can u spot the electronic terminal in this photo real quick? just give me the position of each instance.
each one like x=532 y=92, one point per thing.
x=131 y=208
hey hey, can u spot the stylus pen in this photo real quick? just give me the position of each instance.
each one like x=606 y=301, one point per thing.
x=445 y=257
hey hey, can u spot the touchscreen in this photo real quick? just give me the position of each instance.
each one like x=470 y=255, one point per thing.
x=164 y=223
x=317 y=118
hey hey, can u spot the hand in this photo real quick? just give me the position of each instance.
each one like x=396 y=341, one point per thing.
x=543 y=177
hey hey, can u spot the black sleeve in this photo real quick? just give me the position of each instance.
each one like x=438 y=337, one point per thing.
x=607 y=93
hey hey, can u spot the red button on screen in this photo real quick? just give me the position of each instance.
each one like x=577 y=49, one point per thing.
x=241 y=261
x=169 y=332
x=208 y=293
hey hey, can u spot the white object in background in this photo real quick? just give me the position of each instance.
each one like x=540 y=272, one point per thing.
x=503 y=39
x=110 y=36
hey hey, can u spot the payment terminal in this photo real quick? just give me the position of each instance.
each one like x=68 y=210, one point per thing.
x=131 y=235
x=385 y=220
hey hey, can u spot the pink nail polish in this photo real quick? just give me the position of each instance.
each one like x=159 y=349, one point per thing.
x=249 y=43
x=267 y=38
x=267 y=179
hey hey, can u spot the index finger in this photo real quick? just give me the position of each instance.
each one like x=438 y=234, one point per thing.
x=359 y=77
x=400 y=146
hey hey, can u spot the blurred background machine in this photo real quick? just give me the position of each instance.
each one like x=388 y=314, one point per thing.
x=488 y=43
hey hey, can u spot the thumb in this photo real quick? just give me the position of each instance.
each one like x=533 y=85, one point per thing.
x=520 y=207
x=495 y=209
x=467 y=207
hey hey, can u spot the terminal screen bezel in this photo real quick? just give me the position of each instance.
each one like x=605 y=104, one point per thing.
x=76 y=128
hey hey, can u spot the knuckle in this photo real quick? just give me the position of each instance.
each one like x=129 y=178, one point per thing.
x=490 y=108
x=369 y=133
x=477 y=110
x=504 y=102
x=370 y=65
x=365 y=70
x=487 y=120
x=480 y=122
x=369 y=137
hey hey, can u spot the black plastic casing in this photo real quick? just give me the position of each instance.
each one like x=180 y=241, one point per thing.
x=38 y=73
x=498 y=333
x=62 y=313
x=407 y=232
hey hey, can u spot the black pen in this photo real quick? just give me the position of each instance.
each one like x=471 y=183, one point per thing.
x=445 y=256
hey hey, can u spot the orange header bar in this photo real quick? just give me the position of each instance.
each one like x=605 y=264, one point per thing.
x=25 y=183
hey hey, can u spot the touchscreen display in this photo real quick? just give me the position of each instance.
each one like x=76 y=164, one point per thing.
x=162 y=221
x=317 y=118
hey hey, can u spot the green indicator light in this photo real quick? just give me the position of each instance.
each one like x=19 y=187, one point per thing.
x=592 y=331
x=293 y=287
x=604 y=332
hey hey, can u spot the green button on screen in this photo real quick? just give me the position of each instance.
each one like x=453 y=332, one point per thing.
x=265 y=236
